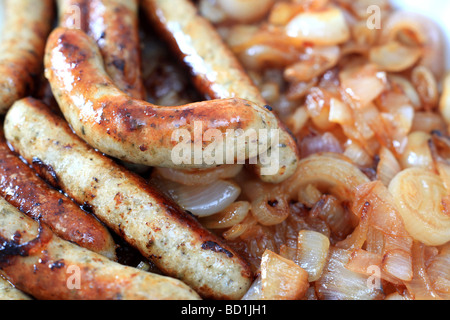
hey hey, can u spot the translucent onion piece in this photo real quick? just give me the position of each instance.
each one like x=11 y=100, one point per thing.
x=245 y=10
x=331 y=210
x=444 y=103
x=283 y=12
x=282 y=279
x=309 y=195
x=200 y=177
x=421 y=199
x=420 y=287
x=398 y=263
x=428 y=122
x=358 y=155
x=417 y=152
x=271 y=209
x=365 y=262
x=201 y=201
x=325 y=27
x=426 y=86
x=327 y=173
x=254 y=292
x=394 y=57
x=339 y=283
x=439 y=272
x=417 y=29
x=363 y=83
x=296 y=122
x=340 y=112
x=239 y=229
x=232 y=215
x=408 y=89
x=312 y=252
x=388 y=166
x=316 y=62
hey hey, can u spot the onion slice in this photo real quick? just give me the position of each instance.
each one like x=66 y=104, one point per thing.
x=423 y=203
x=339 y=283
x=201 y=201
x=324 y=27
x=282 y=279
x=312 y=252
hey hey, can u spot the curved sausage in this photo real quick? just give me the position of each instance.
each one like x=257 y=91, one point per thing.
x=134 y=130
x=216 y=71
x=114 y=25
x=21 y=187
x=171 y=238
x=26 y=26
x=48 y=268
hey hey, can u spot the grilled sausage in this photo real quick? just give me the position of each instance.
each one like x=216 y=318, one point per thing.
x=134 y=130
x=26 y=26
x=22 y=188
x=171 y=238
x=43 y=265
x=114 y=25
x=216 y=71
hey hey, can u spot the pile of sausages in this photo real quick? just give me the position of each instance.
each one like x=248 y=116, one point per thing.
x=50 y=163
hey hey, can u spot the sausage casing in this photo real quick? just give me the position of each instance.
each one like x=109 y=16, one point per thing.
x=25 y=29
x=134 y=130
x=21 y=187
x=174 y=240
x=216 y=71
x=48 y=268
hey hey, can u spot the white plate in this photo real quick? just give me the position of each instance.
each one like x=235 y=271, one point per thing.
x=438 y=10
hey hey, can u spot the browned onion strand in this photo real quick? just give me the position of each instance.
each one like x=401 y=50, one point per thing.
x=366 y=215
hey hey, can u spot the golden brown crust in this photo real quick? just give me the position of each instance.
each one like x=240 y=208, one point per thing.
x=114 y=26
x=129 y=129
x=49 y=268
x=174 y=240
x=26 y=27
x=216 y=71
x=21 y=187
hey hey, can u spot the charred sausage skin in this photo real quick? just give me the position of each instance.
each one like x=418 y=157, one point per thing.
x=171 y=238
x=25 y=30
x=48 y=268
x=21 y=187
x=215 y=70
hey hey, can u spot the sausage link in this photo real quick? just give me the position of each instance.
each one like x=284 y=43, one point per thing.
x=168 y=236
x=134 y=130
x=22 y=188
x=114 y=25
x=216 y=71
x=48 y=268
x=26 y=27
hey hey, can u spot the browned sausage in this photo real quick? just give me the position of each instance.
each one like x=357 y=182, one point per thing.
x=134 y=130
x=48 y=268
x=171 y=238
x=26 y=26
x=21 y=187
x=216 y=71
x=114 y=25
